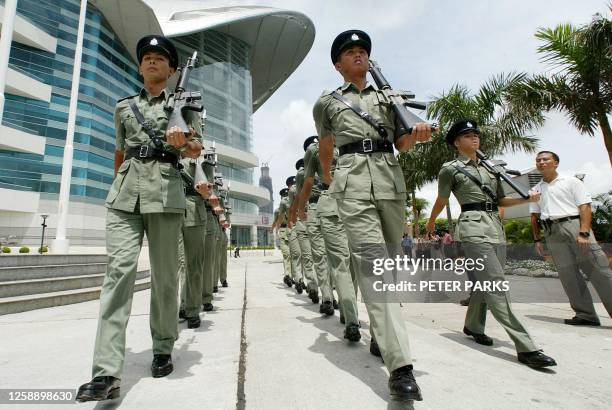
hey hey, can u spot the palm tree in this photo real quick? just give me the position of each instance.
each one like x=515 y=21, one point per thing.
x=504 y=127
x=581 y=83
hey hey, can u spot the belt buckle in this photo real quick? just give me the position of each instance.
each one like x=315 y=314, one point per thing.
x=144 y=151
x=488 y=206
x=368 y=146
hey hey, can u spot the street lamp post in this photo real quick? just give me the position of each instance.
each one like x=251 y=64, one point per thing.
x=44 y=225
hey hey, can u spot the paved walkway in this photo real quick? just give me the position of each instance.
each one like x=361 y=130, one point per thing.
x=291 y=358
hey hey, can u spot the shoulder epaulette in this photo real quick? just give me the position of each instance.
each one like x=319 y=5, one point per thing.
x=326 y=92
x=448 y=163
x=128 y=97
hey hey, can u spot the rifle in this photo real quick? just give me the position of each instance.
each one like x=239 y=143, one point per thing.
x=497 y=168
x=399 y=100
x=184 y=100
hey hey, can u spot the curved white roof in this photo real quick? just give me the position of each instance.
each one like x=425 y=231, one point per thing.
x=279 y=39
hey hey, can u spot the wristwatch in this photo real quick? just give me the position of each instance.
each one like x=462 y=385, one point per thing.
x=585 y=234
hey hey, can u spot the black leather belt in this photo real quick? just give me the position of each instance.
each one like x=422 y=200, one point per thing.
x=146 y=152
x=189 y=190
x=313 y=199
x=479 y=206
x=323 y=186
x=283 y=225
x=559 y=220
x=366 y=146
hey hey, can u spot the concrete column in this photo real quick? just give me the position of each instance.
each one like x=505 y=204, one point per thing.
x=254 y=235
x=6 y=38
x=61 y=244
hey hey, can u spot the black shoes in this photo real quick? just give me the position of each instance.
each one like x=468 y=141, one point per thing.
x=313 y=294
x=162 y=365
x=99 y=388
x=465 y=302
x=480 y=338
x=299 y=287
x=208 y=307
x=224 y=283
x=193 y=322
x=403 y=386
x=288 y=281
x=342 y=320
x=327 y=308
x=352 y=333
x=374 y=349
x=215 y=289
x=536 y=360
x=576 y=321
x=335 y=304
x=182 y=314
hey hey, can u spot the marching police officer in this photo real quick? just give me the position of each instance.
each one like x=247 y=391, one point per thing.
x=369 y=187
x=481 y=234
x=280 y=225
x=211 y=230
x=294 y=244
x=146 y=198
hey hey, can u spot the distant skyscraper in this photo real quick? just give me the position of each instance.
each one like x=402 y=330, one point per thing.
x=266 y=182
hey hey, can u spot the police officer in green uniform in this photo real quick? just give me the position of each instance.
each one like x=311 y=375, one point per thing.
x=369 y=187
x=217 y=211
x=209 y=243
x=146 y=197
x=194 y=235
x=225 y=226
x=481 y=234
x=221 y=258
x=302 y=234
x=280 y=225
x=336 y=244
x=294 y=244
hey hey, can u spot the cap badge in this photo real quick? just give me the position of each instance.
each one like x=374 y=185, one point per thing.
x=354 y=37
x=153 y=42
x=469 y=125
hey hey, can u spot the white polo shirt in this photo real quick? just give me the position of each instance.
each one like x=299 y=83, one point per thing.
x=560 y=197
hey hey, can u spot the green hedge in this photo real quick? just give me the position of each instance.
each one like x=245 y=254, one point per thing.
x=24 y=249
x=6 y=249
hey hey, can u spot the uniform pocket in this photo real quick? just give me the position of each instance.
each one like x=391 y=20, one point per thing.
x=341 y=173
x=118 y=181
x=470 y=224
x=173 y=194
x=398 y=174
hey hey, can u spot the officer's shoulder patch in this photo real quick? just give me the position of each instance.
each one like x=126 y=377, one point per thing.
x=127 y=98
x=326 y=93
x=449 y=163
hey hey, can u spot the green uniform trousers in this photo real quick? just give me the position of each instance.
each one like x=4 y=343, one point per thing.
x=283 y=239
x=223 y=257
x=296 y=256
x=370 y=222
x=211 y=256
x=194 y=243
x=338 y=258
x=493 y=258
x=306 y=255
x=568 y=259
x=124 y=236
x=218 y=254
x=317 y=245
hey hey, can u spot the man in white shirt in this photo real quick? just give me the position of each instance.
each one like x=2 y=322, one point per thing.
x=565 y=211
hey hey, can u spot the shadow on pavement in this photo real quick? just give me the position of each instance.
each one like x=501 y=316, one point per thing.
x=560 y=321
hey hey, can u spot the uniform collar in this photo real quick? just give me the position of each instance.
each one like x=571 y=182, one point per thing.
x=348 y=84
x=145 y=94
x=465 y=160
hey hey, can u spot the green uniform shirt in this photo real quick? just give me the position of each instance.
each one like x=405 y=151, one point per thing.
x=155 y=186
x=473 y=226
x=312 y=156
x=361 y=176
x=283 y=209
x=326 y=206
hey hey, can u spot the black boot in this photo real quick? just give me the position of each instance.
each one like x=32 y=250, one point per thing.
x=182 y=314
x=326 y=308
x=313 y=294
x=193 y=322
x=335 y=302
x=374 y=349
x=208 y=307
x=161 y=365
x=403 y=386
x=480 y=338
x=352 y=333
x=536 y=360
x=299 y=287
x=215 y=289
x=224 y=283
x=99 y=388
x=288 y=281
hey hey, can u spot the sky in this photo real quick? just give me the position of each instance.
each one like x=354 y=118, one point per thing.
x=426 y=47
